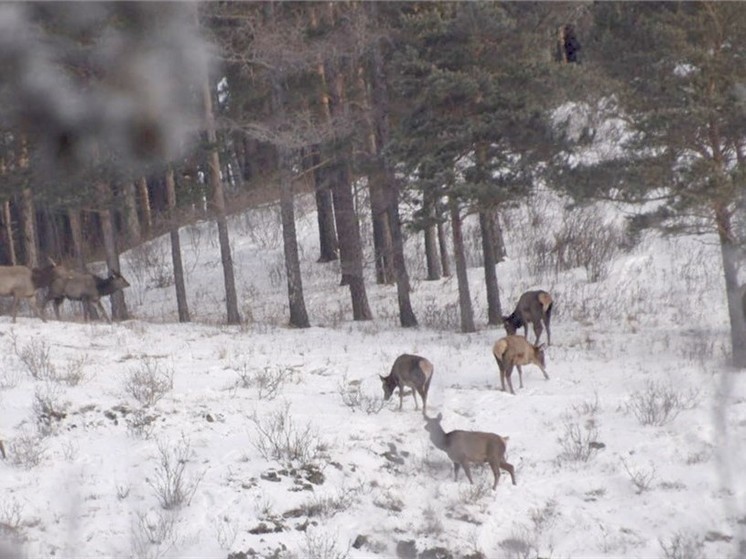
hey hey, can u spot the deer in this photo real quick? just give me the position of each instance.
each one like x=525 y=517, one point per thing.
x=534 y=307
x=516 y=351
x=409 y=370
x=85 y=287
x=465 y=447
x=22 y=282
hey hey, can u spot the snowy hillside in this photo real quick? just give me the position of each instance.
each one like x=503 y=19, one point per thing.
x=151 y=438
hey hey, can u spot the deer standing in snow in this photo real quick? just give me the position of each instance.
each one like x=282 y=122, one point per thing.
x=409 y=370
x=534 y=307
x=514 y=351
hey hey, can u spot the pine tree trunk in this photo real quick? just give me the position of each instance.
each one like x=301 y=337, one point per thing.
x=179 y=284
x=130 y=213
x=432 y=254
x=464 y=297
x=442 y=242
x=382 y=243
x=296 y=301
x=407 y=317
x=324 y=209
x=497 y=237
x=76 y=234
x=730 y=255
x=146 y=225
x=350 y=244
x=30 y=242
x=118 y=303
x=494 y=312
x=8 y=222
x=218 y=204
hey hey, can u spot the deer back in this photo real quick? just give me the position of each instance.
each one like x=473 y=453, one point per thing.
x=411 y=370
x=475 y=446
x=16 y=280
x=517 y=350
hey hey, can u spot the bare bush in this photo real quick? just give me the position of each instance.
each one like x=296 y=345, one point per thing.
x=27 y=449
x=35 y=356
x=532 y=540
x=10 y=375
x=262 y=225
x=579 y=440
x=141 y=424
x=279 y=438
x=151 y=265
x=11 y=520
x=641 y=478
x=659 y=403
x=682 y=546
x=154 y=534
x=149 y=382
x=268 y=381
x=320 y=544
x=354 y=398
x=173 y=487
x=74 y=373
x=48 y=407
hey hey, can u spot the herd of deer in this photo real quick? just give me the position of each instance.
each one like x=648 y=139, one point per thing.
x=465 y=447
x=22 y=282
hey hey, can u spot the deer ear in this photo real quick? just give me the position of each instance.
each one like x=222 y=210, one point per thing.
x=440 y=416
x=382 y=377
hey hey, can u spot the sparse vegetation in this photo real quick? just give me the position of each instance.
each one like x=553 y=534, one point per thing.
x=172 y=485
x=149 y=382
x=659 y=403
x=277 y=437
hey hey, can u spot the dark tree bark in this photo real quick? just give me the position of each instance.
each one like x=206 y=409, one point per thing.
x=494 y=311
x=118 y=303
x=296 y=301
x=324 y=209
x=30 y=241
x=218 y=202
x=432 y=253
x=143 y=195
x=130 y=213
x=464 y=297
x=443 y=243
x=730 y=255
x=179 y=284
x=76 y=236
x=9 y=236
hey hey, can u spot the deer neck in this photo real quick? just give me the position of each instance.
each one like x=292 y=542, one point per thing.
x=438 y=437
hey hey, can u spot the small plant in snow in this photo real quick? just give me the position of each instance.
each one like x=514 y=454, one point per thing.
x=320 y=544
x=354 y=398
x=173 y=487
x=11 y=520
x=682 y=546
x=268 y=381
x=658 y=403
x=641 y=478
x=279 y=438
x=154 y=533
x=48 y=407
x=149 y=382
x=579 y=440
x=529 y=541
x=226 y=531
x=36 y=359
x=141 y=424
x=74 y=373
x=27 y=450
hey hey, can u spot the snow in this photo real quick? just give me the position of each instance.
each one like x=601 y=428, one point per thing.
x=658 y=317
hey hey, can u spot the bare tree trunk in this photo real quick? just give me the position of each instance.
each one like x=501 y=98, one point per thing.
x=464 y=297
x=432 y=256
x=443 y=250
x=494 y=311
x=30 y=242
x=76 y=233
x=218 y=203
x=324 y=209
x=730 y=255
x=179 y=284
x=296 y=302
x=497 y=237
x=8 y=221
x=118 y=303
x=143 y=195
x=130 y=213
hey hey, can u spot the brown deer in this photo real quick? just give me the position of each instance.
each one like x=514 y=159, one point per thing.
x=464 y=447
x=85 y=287
x=22 y=282
x=534 y=307
x=409 y=370
x=515 y=351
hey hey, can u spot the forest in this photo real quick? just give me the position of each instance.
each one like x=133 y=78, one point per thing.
x=124 y=121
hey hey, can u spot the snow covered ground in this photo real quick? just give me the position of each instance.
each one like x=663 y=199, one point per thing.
x=151 y=438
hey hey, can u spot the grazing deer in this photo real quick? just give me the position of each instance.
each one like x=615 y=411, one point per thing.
x=409 y=370
x=21 y=282
x=476 y=447
x=513 y=351
x=534 y=307
x=85 y=287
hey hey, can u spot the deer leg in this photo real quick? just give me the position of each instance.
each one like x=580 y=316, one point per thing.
x=15 y=307
x=502 y=373
x=467 y=471
x=401 y=397
x=538 y=329
x=35 y=307
x=57 y=303
x=546 y=376
x=414 y=395
x=423 y=395
x=103 y=312
x=520 y=376
x=507 y=373
x=508 y=468
x=496 y=473
x=455 y=471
